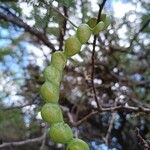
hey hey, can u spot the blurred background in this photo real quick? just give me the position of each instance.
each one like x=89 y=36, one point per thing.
x=30 y=30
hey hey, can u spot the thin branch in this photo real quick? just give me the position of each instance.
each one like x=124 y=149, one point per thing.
x=106 y=138
x=17 y=21
x=86 y=117
x=128 y=109
x=142 y=142
x=56 y=10
x=8 y=11
x=82 y=120
x=62 y=29
x=65 y=17
x=93 y=57
x=44 y=139
x=20 y=143
x=125 y=50
x=17 y=107
x=141 y=29
x=110 y=128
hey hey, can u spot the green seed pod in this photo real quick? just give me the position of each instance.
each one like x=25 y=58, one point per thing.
x=51 y=113
x=50 y=92
x=92 y=22
x=60 y=133
x=59 y=60
x=77 y=144
x=83 y=33
x=98 y=28
x=72 y=46
x=52 y=74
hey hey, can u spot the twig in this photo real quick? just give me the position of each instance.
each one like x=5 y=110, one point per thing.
x=128 y=109
x=141 y=29
x=109 y=128
x=62 y=29
x=17 y=107
x=82 y=120
x=93 y=57
x=65 y=17
x=44 y=139
x=56 y=10
x=28 y=141
x=106 y=138
x=142 y=142
x=20 y=143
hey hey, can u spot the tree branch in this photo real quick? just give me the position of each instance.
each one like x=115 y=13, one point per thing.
x=106 y=138
x=62 y=29
x=141 y=29
x=65 y=17
x=17 y=107
x=109 y=129
x=20 y=143
x=128 y=109
x=144 y=144
x=44 y=139
x=17 y=21
x=93 y=57
x=56 y=10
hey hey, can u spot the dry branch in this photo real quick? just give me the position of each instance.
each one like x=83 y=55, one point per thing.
x=20 y=143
